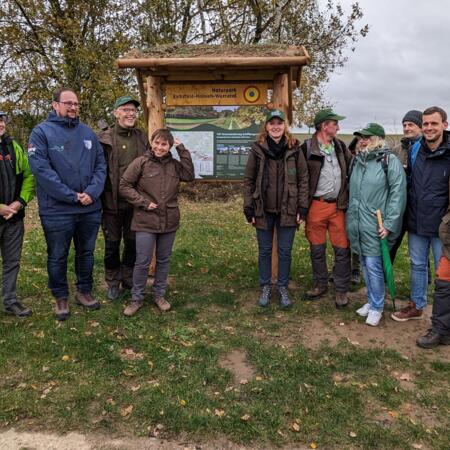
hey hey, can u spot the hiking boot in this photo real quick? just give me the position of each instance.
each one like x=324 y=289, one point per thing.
x=373 y=318
x=316 y=292
x=133 y=307
x=85 y=299
x=285 y=301
x=363 y=311
x=62 y=309
x=432 y=339
x=266 y=293
x=356 y=276
x=408 y=313
x=162 y=304
x=341 y=300
x=113 y=292
x=18 y=310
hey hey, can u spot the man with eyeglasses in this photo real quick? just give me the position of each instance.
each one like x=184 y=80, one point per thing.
x=328 y=159
x=68 y=164
x=16 y=190
x=122 y=143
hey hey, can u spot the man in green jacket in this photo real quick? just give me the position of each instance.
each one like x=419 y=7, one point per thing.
x=122 y=143
x=16 y=190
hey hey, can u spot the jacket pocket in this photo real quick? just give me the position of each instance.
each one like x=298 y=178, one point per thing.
x=257 y=202
x=173 y=215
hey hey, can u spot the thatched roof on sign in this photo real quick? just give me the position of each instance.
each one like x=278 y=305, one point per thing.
x=159 y=61
x=192 y=51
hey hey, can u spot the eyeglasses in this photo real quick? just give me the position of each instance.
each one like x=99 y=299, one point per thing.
x=128 y=110
x=70 y=104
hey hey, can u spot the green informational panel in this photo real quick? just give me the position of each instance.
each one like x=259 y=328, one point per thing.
x=219 y=137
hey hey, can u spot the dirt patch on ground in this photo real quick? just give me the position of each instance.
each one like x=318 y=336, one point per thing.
x=13 y=440
x=316 y=331
x=236 y=362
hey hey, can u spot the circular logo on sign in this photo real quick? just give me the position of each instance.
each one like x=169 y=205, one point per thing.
x=251 y=94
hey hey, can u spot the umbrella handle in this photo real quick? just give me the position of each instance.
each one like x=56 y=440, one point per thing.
x=380 y=220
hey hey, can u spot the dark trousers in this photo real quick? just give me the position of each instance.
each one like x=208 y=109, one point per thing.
x=116 y=229
x=145 y=244
x=11 y=239
x=59 y=231
x=440 y=318
x=285 y=240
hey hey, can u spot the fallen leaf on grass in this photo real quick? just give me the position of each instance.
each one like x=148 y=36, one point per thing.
x=356 y=343
x=204 y=270
x=313 y=445
x=243 y=381
x=352 y=434
x=416 y=445
x=66 y=358
x=183 y=402
x=126 y=411
x=219 y=412
x=245 y=417
x=130 y=354
x=295 y=427
x=393 y=414
x=405 y=377
x=135 y=388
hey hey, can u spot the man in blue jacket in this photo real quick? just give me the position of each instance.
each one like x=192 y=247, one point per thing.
x=70 y=170
x=428 y=199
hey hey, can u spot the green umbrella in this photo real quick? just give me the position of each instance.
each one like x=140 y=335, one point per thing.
x=387 y=263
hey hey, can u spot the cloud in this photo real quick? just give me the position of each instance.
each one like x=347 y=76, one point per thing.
x=402 y=64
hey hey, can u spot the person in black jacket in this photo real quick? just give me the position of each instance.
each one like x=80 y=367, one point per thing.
x=428 y=198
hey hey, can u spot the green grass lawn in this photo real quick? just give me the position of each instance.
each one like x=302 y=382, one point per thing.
x=168 y=374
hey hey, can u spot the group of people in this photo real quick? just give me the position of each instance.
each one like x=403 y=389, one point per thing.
x=341 y=191
x=128 y=185
x=117 y=180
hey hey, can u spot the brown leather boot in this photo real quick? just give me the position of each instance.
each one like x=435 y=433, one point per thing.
x=85 y=299
x=133 y=307
x=316 y=292
x=341 y=300
x=162 y=304
x=62 y=309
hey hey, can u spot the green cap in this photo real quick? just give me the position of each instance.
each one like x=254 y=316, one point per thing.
x=371 y=129
x=326 y=114
x=275 y=113
x=124 y=100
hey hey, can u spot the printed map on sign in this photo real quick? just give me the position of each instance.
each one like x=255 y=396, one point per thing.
x=201 y=146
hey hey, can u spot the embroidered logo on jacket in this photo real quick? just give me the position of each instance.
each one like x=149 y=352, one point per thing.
x=88 y=144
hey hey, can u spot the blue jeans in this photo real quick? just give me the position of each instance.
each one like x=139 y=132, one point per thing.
x=419 y=250
x=285 y=239
x=374 y=277
x=59 y=231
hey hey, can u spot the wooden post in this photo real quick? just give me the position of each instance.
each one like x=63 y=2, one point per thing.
x=155 y=97
x=280 y=100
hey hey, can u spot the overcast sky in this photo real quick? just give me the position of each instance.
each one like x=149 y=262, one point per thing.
x=402 y=64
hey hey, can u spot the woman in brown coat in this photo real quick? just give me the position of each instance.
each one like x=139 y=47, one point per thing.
x=275 y=197
x=150 y=184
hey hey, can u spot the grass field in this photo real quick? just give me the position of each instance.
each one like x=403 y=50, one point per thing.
x=216 y=365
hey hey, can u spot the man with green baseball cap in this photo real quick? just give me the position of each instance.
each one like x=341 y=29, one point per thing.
x=324 y=115
x=328 y=159
x=122 y=143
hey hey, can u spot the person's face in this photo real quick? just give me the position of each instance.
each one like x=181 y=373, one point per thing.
x=160 y=147
x=433 y=127
x=330 y=128
x=411 y=130
x=2 y=126
x=126 y=115
x=275 y=128
x=364 y=141
x=67 y=106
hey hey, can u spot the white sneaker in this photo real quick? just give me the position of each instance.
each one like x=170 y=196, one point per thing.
x=373 y=318
x=363 y=311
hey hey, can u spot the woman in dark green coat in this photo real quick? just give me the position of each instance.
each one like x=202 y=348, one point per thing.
x=377 y=181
